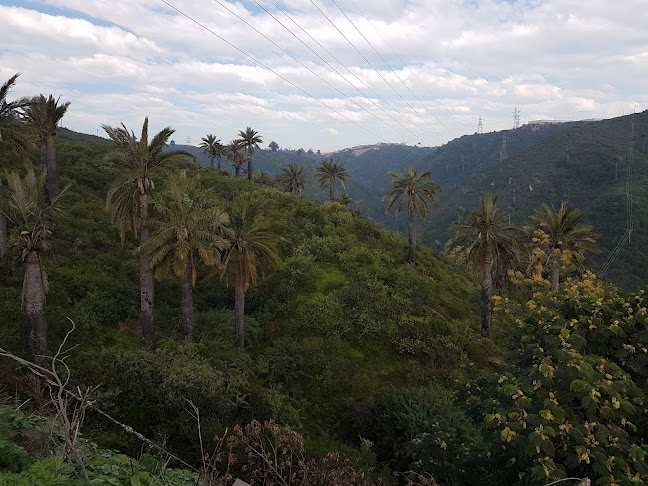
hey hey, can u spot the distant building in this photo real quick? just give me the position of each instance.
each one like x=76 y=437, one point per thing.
x=544 y=123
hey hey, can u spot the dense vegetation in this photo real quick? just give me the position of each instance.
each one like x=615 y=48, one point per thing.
x=355 y=364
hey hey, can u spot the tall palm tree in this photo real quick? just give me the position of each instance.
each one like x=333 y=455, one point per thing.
x=249 y=139
x=12 y=134
x=128 y=203
x=412 y=188
x=485 y=238
x=43 y=115
x=32 y=216
x=559 y=231
x=293 y=179
x=329 y=173
x=210 y=145
x=220 y=151
x=250 y=248
x=188 y=231
x=234 y=153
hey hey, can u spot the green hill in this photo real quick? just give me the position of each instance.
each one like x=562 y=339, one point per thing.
x=373 y=367
x=584 y=163
x=343 y=320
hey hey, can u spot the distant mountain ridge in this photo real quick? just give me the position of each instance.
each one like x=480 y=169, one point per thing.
x=585 y=163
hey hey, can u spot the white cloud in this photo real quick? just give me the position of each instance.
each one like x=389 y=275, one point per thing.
x=122 y=60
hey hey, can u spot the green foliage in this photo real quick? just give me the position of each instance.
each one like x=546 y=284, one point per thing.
x=151 y=391
x=106 y=467
x=46 y=472
x=423 y=429
x=13 y=458
x=572 y=406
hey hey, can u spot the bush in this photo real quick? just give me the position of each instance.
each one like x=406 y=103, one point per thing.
x=323 y=315
x=150 y=392
x=423 y=430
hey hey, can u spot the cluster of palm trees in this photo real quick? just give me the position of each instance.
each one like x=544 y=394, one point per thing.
x=555 y=242
x=29 y=208
x=231 y=236
x=238 y=151
x=556 y=239
x=329 y=173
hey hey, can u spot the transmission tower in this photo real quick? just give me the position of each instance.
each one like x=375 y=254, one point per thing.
x=503 y=149
x=480 y=127
x=516 y=118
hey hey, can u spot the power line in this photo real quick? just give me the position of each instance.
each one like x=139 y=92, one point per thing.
x=396 y=74
x=270 y=69
x=627 y=235
x=412 y=72
x=346 y=68
x=402 y=147
x=333 y=68
x=369 y=63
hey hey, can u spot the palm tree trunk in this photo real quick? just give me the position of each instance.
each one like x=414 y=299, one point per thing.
x=239 y=309
x=3 y=228
x=555 y=276
x=186 y=285
x=52 y=182
x=43 y=151
x=331 y=191
x=219 y=162
x=411 y=238
x=249 y=167
x=486 y=296
x=237 y=171
x=146 y=279
x=34 y=298
x=211 y=159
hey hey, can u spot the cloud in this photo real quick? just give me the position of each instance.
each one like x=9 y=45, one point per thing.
x=122 y=60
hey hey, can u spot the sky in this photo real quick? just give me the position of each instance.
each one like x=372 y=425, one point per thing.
x=328 y=74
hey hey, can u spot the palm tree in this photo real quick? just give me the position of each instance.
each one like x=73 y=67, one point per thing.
x=413 y=189
x=210 y=145
x=293 y=179
x=344 y=199
x=31 y=216
x=233 y=152
x=12 y=134
x=486 y=239
x=188 y=230
x=43 y=115
x=220 y=151
x=561 y=231
x=329 y=173
x=250 y=248
x=249 y=139
x=12 y=126
x=128 y=203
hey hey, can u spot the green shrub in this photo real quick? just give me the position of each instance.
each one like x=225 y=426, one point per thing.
x=13 y=458
x=46 y=472
x=323 y=315
x=423 y=430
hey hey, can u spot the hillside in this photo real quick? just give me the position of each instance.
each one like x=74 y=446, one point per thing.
x=342 y=321
x=361 y=369
x=584 y=163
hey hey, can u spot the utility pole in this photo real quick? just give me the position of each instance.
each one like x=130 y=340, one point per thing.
x=516 y=118
x=503 y=154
